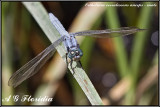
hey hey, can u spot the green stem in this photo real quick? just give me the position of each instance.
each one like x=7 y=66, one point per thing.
x=138 y=49
x=120 y=52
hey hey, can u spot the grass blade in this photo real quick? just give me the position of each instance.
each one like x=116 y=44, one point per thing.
x=42 y=18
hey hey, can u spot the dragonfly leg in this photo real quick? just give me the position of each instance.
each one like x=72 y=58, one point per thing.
x=72 y=67
x=80 y=63
x=67 y=59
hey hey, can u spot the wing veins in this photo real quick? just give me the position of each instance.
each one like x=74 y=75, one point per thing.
x=34 y=65
x=123 y=31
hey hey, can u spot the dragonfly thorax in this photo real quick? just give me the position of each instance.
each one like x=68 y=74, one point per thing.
x=75 y=54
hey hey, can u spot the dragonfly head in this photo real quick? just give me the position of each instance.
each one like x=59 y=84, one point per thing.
x=75 y=54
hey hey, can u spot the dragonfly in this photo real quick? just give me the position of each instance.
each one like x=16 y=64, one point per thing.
x=74 y=53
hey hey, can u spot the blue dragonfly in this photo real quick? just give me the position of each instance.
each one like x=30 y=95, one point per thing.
x=74 y=53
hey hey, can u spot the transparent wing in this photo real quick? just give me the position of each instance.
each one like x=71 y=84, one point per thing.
x=34 y=65
x=123 y=31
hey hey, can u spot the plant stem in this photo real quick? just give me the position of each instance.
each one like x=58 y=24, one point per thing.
x=42 y=18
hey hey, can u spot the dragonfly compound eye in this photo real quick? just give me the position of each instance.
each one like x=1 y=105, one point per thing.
x=77 y=53
x=72 y=52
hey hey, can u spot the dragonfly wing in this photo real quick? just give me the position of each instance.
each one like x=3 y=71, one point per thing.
x=34 y=65
x=123 y=31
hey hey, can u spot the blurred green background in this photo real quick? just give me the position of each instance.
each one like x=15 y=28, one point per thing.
x=124 y=70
